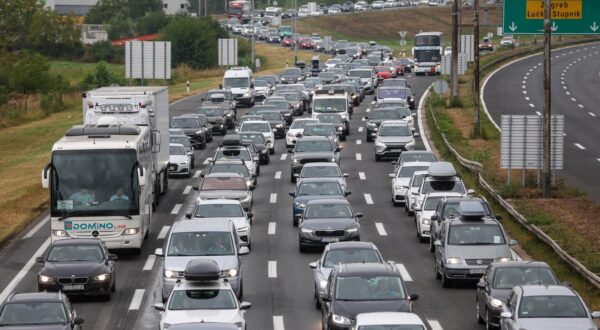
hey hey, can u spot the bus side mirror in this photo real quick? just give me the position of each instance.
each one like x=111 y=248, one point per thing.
x=141 y=177
x=45 y=177
x=156 y=144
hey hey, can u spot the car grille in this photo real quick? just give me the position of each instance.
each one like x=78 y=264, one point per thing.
x=316 y=160
x=72 y=280
x=330 y=232
x=395 y=147
x=479 y=262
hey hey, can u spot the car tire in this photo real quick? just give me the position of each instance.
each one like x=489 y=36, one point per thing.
x=446 y=282
x=431 y=246
x=272 y=151
x=294 y=222
x=108 y=295
x=437 y=273
x=480 y=319
x=377 y=158
x=343 y=138
x=113 y=288
x=488 y=326
x=369 y=139
x=301 y=248
x=292 y=179
x=241 y=294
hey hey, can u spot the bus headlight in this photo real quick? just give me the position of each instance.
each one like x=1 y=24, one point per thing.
x=131 y=231
x=60 y=233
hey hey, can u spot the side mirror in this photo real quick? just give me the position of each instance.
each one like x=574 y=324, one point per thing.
x=78 y=320
x=596 y=315
x=196 y=188
x=244 y=250
x=416 y=134
x=359 y=215
x=434 y=217
x=470 y=192
x=274 y=130
x=413 y=114
x=506 y=315
x=45 y=177
x=392 y=175
x=245 y=305
x=324 y=296
x=513 y=242
x=481 y=285
x=347 y=193
x=252 y=85
x=159 y=252
x=365 y=117
x=437 y=243
x=565 y=283
x=413 y=297
x=112 y=257
x=499 y=217
x=141 y=176
x=313 y=265
x=188 y=215
x=345 y=175
x=39 y=260
x=298 y=217
x=250 y=215
x=373 y=102
x=290 y=151
x=394 y=162
x=159 y=307
x=292 y=193
x=296 y=175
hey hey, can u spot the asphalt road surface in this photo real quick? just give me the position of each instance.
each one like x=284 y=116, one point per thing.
x=282 y=298
x=575 y=76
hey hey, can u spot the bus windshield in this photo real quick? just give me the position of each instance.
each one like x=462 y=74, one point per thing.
x=427 y=40
x=330 y=105
x=428 y=55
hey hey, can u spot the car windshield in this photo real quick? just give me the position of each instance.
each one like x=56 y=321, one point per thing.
x=431 y=203
x=333 y=119
x=313 y=146
x=261 y=83
x=393 y=105
x=408 y=171
x=349 y=256
x=243 y=154
x=321 y=172
x=32 y=313
x=417 y=180
x=395 y=83
x=196 y=244
x=292 y=72
x=475 y=234
x=443 y=186
x=408 y=157
x=319 y=130
x=320 y=188
x=327 y=75
x=369 y=288
x=219 y=211
x=211 y=112
x=236 y=82
x=330 y=105
x=391 y=93
x=185 y=123
x=505 y=278
x=382 y=114
x=202 y=299
x=394 y=130
x=184 y=140
x=328 y=211
x=361 y=73
x=291 y=97
x=241 y=169
x=392 y=327
x=68 y=253
x=223 y=183
x=176 y=150
x=551 y=307
x=256 y=138
x=300 y=124
x=271 y=116
x=255 y=127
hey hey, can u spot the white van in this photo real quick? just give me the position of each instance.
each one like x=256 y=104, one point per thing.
x=241 y=83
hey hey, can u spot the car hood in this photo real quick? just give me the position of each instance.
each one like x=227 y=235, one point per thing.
x=209 y=315
x=401 y=182
x=214 y=118
x=555 y=324
x=478 y=251
x=179 y=263
x=395 y=139
x=306 y=198
x=500 y=294
x=79 y=268
x=176 y=159
x=309 y=155
x=239 y=90
x=191 y=131
x=223 y=194
x=351 y=308
x=427 y=214
x=38 y=327
x=329 y=223
x=239 y=222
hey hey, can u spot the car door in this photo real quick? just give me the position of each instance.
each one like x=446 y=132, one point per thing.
x=483 y=292
x=440 y=250
x=326 y=305
x=509 y=323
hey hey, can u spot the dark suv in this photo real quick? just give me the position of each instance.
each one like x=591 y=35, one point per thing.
x=40 y=310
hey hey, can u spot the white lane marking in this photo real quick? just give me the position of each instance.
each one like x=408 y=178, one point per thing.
x=538 y=113
x=136 y=301
x=207 y=160
x=531 y=105
x=524 y=87
x=176 y=208
x=273 y=198
x=380 y=229
x=404 y=273
x=272 y=228
x=531 y=69
x=163 y=232
x=526 y=98
x=362 y=176
x=368 y=199
x=592 y=114
x=187 y=190
x=278 y=323
x=21 y=274
x=368 y=110
x=573 y=99
x=435 y=325
x=598 y=159
x=149 y=262
x=358 y=142
x=579 y=146
x=562 y=78
x=525 y=92
x=527 y=73
x=363 y=119
x=562 y=82
x=37 y=227
x=568 y=93
x=272 y=269
x=277 y=175
x=523 y=82
x=198 y=174
x=283 y=157
x=358 y=157
x=360 y=129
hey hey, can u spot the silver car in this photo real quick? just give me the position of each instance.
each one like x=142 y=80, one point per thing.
x=324 y=170
x=226 y=209
x=187 y=240
x=392 y=138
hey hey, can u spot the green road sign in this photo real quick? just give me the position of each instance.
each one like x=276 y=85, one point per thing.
x=568 y=17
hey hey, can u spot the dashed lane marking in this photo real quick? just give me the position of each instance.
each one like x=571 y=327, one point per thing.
x=531 y=105
x=272 y=269
x=358 y=142
x=579 y=146
x=176 y=208
x=283 y=157
x=163 y=232
x=197 y=174
x=149 y=262
x=538 y=113
x=380 y=229
x=404 y=272
x=272 y=228
x=207 y=160
x=360 y=129
x=187 y=190
x=435 y=325
x=136 y=301
x=369 y=199
x=358 y=157
x=592 y=114
x=273 y=198
x=362 y=176
x=278 y=323
x=277 y=175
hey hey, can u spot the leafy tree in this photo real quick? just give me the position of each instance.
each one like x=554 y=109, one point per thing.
x=104 y=10
x=152 y=23
x=30 y=74
x=120 y=27
x=104 y=51
x=100 y=77
x=139 y=8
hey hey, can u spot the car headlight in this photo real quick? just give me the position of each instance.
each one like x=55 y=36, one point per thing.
x=300 y=205
x=398 y=187
x=371 y=124
x=338 y=319
x=60 y=233
x=233 y=272
x=242 y=229
x=279 y=126
x=502 y=259
x=290 y=135
x=296 y=161
x=322 y=284
x=306 y=230
x=171 y=274
x=379 y=144
x=229 y=114
x=426 y=221
x=496 y=303
x=454 y=260
x=340 y=128
x=247 y=94
x=131 y=231
x=45 y=279
x=101 y=277
x=352 y=230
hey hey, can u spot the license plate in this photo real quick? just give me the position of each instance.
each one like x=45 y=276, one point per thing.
x=330 y=239
x=396 y=150
x=172 y=167
x=477 y=270
x=73 y=287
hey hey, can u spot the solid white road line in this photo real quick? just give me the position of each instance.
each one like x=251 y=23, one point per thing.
x=358 y=157
x=198 y=174
x=435 y=325
x=380 y=229
x=277 y=175
x=363 y=119
x=404 y=273
x=283 y=157
x=273 y=198
x=272 y=228
x=368 y=199
x=362 y=176
x=272 y=269
x=21 y=274
x=579 y=146
x=278 y=323
x=37 y=227
x=176 y=208
x=163 y=232
x=149 y=262
x=360 y=129
x=580 y=106
x=358 y=141
x=531 y=105
x=592 y=114
x=187 y=190
x=136 y=301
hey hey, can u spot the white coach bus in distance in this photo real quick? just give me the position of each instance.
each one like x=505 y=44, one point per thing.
x=427 y=53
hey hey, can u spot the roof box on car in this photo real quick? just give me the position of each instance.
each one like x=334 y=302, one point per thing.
x=441 y=169
x=471 y=210
x=202 y=269
x=231 y=140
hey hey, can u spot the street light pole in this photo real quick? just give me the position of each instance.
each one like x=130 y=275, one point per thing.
x=476 y=112
x=253 y=33
x=546 y=171
x=295 y=31
x=454 y=55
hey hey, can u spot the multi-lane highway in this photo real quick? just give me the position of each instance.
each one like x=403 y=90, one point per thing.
x=278 y=281
x=518 y=89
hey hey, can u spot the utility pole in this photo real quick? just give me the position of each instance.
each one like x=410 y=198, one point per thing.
x=253 y=33
x=199 y=9
x=295 y=31
x=454 y=64
x=546 y=171
x=476 y=112
x=205 y=8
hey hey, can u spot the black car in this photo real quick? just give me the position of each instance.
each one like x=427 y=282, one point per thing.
x=337 y=121
x=192 y=127
x=363 y=288
x=39 y=310
x=328 y=77
x=260 y=143
x=291 y=76
x=496 y=284
x=275 y=119
x=284 y=108
x=376 y=117
x=79 y=266
x=325 y=221
x=216 y=117
x=262 y=107
x=312 y=149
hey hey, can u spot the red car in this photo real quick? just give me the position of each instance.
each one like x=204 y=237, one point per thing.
x=383 y=72
x=287 y=41
x=399 y=68
x=306 y=43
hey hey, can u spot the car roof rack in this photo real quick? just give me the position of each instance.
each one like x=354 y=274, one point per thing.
x=231 y=140
x=202 y=270
x=471 y=211
x=441 y=170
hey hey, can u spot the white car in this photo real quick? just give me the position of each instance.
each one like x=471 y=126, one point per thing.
x=401 y=179
x=303 y=12
x=202 y=297
x=424 y=213
x=180 y=161
x=264 y=128
x=377 y=5
x=388 y=320
x=413 y=190
x=297 y=127
x=227 y=209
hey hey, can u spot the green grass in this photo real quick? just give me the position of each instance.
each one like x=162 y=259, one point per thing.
x=75 y=71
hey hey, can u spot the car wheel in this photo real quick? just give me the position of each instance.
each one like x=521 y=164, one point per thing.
x=241 y=294
x=343 y=138
x=369 y=139
x=317 y=302
x=108 y=295
x=301 y=248
x=480 y=319
x=295 y=222
x=272 y=151
x=437 y=273
x=431 y=246
x=113 y=288
x=377 y=158
x=293 y=179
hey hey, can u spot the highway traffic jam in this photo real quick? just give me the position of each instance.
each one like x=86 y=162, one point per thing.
x=305 y=200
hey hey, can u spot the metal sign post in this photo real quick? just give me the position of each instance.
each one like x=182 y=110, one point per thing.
x=547 y=175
